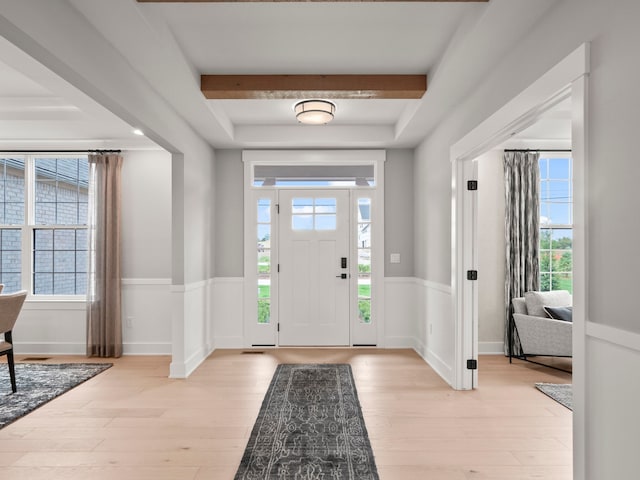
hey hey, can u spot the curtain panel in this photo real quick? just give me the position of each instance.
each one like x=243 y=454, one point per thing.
x=522 y=233
x=104 y=322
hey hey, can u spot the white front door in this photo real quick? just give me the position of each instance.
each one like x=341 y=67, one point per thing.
x=314 y=267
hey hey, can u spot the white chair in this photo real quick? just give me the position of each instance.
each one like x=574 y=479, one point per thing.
x=539 y=334
x=10 y=307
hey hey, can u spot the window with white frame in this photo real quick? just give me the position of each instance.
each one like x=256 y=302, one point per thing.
x=556 y=223
x=43 y=224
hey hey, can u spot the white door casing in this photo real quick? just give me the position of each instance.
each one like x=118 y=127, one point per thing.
x=260 y=328
x=313 y=281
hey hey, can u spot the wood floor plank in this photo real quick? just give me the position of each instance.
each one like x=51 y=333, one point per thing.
x=132 y=422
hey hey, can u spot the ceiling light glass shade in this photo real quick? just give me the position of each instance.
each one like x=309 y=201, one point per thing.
x=314 y=112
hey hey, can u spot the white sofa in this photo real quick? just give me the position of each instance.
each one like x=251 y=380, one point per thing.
x=540 y=335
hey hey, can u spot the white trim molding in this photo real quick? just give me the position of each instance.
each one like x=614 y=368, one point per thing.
x=146 y=322
x=613 y=335
x=51 y=348
x=434 y=328
x=145 y=281
x=146 y=316
x=490 y=348
x=400 y=312
x=190 y=327
x=227 y=295
x=266 y=334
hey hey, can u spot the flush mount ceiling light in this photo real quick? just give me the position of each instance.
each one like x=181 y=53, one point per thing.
x=315 y=112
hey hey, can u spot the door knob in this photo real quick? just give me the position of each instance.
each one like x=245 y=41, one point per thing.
x=342 y=275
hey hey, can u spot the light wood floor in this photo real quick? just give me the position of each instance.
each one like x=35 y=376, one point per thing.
x=132 y=422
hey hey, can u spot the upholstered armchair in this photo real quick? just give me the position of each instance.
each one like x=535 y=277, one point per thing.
x=539 y=333
x=10 y=307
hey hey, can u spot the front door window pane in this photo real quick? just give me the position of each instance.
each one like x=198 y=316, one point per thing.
x=313 y=213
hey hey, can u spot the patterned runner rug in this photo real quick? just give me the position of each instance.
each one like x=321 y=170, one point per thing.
x=561 y=393
x=39 y=383
x=310 y=426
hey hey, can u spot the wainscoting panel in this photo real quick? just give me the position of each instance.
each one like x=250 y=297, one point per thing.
x=197 y=326
x=400 y=314
x=146 y=316
x=59 y=327
x=51 y=328
x=611 y=401
x=435 y=331
x=227 y=308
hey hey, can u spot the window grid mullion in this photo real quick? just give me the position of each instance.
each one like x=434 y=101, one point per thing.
x=28 y=246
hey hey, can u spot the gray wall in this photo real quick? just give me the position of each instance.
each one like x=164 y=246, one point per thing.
x=398 y=212
x=491 y=248
x=146 y=214
x=229 y=195
x=613 y=227
x=229 y=255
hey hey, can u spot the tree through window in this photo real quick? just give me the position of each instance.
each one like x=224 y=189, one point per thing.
x=556 y=223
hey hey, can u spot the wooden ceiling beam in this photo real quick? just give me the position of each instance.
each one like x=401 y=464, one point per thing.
x=244 y=87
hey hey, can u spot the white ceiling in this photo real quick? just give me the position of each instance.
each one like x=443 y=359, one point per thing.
x=40 y=110
x=171 y=44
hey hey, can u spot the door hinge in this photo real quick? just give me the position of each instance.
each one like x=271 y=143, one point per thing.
x=278 y=268
x=278 y=327
x=472 y=185
x=472 y=275
x=472 y=364
x=277 y=208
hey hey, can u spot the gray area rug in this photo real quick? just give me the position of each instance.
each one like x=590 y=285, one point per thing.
x=561 y=393
x=310 y=426
x=39 y=383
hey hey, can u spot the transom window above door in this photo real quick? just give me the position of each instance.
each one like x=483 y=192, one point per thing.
x=314 y=176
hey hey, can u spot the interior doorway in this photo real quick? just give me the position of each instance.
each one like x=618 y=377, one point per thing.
x=567 y=80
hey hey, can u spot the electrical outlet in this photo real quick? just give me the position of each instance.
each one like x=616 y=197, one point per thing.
x=430 y=328
x=129 y=322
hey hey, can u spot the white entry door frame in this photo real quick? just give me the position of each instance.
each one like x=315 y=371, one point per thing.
x=314 y=267
x=262 y=305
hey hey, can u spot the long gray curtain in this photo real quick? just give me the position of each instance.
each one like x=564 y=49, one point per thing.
x=522 y=232
x=104 y=322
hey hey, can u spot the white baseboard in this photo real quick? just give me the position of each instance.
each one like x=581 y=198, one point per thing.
x=50 y=348
x=229 y=342
x=441 y=368
x=490 y=348
x=137 y=348
x=183 y=370
x=399 y=342
x=59 y=348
